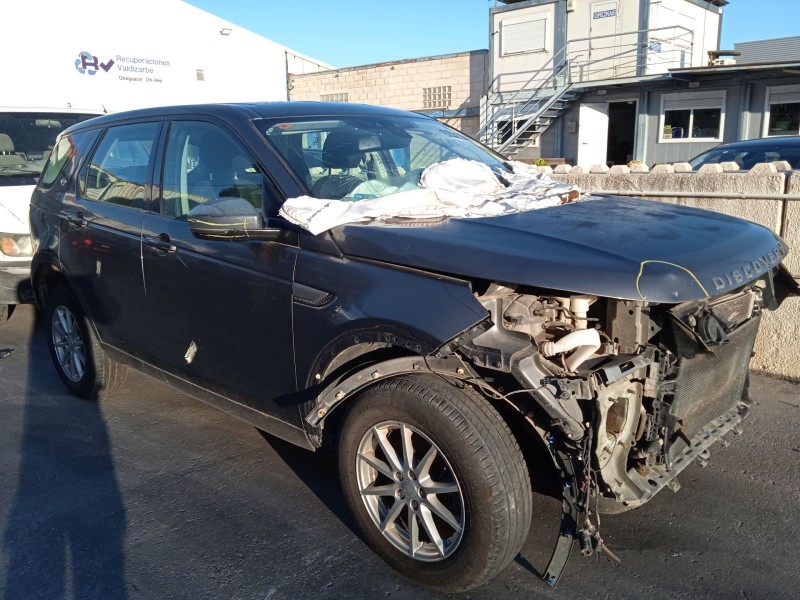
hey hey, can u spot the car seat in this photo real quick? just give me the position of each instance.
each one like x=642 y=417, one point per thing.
x=340 y=151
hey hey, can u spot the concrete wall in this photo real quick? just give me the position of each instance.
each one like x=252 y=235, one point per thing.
x=402 y=84
x=776 y=350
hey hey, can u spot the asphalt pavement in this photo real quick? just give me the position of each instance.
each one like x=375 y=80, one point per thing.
x=152 y=494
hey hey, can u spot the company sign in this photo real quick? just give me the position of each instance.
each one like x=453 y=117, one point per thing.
x=604 y=14
x=136 y=69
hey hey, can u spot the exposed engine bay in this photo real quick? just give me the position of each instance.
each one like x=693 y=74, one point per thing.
x=626 y=393
x=645 y=388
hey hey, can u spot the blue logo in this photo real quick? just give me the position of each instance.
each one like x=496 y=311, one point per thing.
x=89 y=64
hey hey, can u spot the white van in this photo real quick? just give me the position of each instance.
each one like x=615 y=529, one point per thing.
x=27 y=136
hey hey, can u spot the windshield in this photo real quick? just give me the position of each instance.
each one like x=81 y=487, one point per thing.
x=750 y=155
x=361 y=157
x=27 y=139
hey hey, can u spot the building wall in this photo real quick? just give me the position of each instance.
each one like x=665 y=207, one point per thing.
x=513 y=67
x=448 y=87
x=601 y=57
x=158 y=52
x=704 y=22
x=746 y=105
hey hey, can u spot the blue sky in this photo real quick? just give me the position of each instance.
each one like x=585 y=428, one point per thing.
x=356 y=32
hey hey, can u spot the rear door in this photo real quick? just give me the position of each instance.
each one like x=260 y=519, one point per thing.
x=221 y=311
x=101 y=232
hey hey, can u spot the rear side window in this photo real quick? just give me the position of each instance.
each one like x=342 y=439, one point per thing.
x=118 y=171
x=63 y=151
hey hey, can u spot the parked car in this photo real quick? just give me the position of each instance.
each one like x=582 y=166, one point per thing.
x=435 y=355
x=748 y=153
x=27 y=137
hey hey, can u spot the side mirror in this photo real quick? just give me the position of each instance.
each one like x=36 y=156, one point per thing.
x=228 y=219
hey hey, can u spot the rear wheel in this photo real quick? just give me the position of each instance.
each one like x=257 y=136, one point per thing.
x=79 y=360
x=435 y=481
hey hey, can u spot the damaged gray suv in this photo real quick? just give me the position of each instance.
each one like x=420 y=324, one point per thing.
x=370 y=281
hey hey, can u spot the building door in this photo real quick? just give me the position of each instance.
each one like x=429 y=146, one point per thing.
x=592 y=133
x=621 y=132
x=603 y=42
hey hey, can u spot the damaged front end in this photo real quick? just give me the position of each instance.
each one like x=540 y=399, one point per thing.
x=625 y=393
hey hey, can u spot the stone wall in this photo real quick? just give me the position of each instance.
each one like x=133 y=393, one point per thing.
x=724 y=189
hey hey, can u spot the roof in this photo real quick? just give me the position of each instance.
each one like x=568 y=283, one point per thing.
x=736 y=68
x=253 y=110
x=792 y=141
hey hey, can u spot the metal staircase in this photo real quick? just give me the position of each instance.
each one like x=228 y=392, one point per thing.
x=515 y=120
x=514 y=116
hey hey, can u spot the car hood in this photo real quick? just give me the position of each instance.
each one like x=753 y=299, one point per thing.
x=605 y=246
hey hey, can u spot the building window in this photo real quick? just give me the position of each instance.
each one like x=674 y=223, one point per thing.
x=340 y=97
x=692 y=117
x=436 y=97
x=782 y=111
x=784 y=119
x=523 y=36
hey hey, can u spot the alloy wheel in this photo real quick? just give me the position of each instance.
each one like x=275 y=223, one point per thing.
x=410 y=491
x=68 y=343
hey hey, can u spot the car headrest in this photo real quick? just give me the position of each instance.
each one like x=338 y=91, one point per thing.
x=341 y=149
x=6 y=144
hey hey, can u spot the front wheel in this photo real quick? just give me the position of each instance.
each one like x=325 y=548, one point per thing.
x=79 y=360
x=435 y=481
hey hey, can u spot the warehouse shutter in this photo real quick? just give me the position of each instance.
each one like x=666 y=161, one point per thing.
x=523 y=36
x=685 y=101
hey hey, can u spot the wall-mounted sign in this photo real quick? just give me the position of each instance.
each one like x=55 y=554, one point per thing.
x=130 y=68
x=604 y=14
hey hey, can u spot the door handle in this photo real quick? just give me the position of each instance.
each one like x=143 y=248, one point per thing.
x=161 y=243
x=77 y=219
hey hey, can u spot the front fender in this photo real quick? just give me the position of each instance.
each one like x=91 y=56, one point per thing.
x=339 y=391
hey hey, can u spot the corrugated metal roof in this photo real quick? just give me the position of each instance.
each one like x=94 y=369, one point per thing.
x=769 y=51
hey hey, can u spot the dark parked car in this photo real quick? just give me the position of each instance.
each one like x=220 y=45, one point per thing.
x=749 y=153
x=441 y=358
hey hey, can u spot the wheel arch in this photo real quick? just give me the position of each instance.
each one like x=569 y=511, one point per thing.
x=46 y=276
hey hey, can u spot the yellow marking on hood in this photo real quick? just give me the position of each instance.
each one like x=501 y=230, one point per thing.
x=664 y=262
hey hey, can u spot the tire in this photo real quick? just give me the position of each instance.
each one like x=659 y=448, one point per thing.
x=78 y=358
x=6 y=310
x=476 y=523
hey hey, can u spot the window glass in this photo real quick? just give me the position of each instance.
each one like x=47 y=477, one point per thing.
x=203 y=161
x=57 y=160
x=676 y=124
x=117 y=172
x=361 y=157
x=703 y=123
x=27 y=140
x=706 y=122
x=784 y=119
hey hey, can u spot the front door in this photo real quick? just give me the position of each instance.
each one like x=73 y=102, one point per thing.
x=604 y=47
x=222 y=311
x=592 y=133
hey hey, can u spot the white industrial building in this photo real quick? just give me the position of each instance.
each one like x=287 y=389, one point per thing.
x=116 y=55
x=548 y=58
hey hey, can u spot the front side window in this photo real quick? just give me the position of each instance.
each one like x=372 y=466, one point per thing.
x=202 y=162
x=117 y=173
x=362 y=157
x=692 y=117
